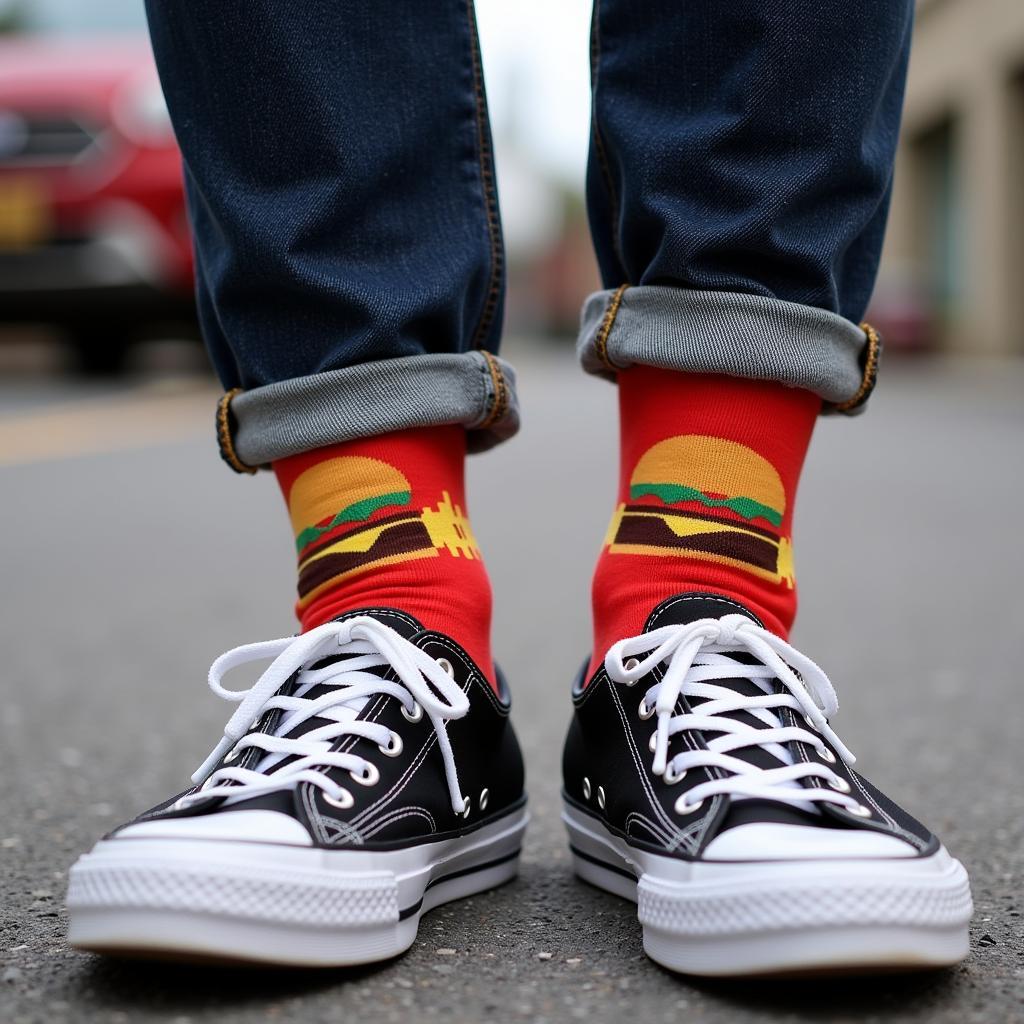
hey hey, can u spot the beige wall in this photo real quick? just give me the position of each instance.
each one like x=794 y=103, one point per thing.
x=967 y=70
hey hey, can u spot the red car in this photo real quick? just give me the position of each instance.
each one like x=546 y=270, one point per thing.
x=93 y=231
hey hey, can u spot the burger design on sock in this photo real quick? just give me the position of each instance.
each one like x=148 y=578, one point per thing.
x=706 y=498
x=353 y=513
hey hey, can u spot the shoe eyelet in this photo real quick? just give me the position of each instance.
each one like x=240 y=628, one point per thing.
x=446 y=666
x=682 y=807
x=810 y=724
x=369 y=776
x=840 y=785
x=629 y=664
x=345 y=801
x=827 y=756
x=484 y=798
x=412 y=716
x=600 y=797
x=646 y=712
x=466 y=807
x=653 y=743
x=586 y=789
x=671 y=777
x=232 y=755
x=860 y=811
x=393 y=747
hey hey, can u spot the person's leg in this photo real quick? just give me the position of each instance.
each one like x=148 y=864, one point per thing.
x=350 y=285
x=350 y=279
x=739 y=178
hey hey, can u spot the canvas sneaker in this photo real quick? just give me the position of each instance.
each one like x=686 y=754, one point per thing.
x=370 y=774
x=702 y=779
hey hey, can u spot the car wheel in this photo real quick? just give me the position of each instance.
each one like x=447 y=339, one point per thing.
x=100 y=353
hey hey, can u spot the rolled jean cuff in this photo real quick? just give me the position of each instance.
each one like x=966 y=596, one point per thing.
x=475 y=389
x=733 y=334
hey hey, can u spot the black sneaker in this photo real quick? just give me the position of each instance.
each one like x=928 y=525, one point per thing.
x=702 y=780
x=369 y=775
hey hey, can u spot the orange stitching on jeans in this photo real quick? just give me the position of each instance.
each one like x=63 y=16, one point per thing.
x=601 y=341
x=485 y=161
x=868 y=380
x=224 y=440
x=500 y=393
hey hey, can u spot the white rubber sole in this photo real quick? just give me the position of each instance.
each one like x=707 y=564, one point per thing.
x=276 y=904
x=729 y=919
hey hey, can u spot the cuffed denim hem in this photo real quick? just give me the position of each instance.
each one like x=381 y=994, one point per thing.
x=733 y=334
x=475 y=389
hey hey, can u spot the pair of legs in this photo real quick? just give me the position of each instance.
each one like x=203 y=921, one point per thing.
x=350 y=279
x=350 y=262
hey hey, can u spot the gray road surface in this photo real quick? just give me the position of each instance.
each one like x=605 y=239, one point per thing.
x=130 y=557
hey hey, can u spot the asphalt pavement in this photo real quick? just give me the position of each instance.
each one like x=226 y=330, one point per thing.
x=130 y=557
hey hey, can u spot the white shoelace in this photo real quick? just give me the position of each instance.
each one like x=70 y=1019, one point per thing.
x=695 y=655
x=423 y=685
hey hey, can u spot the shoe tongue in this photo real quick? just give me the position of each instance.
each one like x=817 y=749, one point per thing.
x=689 y=607
x=693 y=605
x=401 y=622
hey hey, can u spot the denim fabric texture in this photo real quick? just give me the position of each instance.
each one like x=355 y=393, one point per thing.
x=342 y=191
x=303 y=413
x=746 y=146
x=722 y=332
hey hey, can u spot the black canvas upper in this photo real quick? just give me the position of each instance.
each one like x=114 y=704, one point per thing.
x=608 y=745
x=411 y=801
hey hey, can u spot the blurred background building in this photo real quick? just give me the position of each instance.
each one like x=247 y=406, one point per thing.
x=93 y=232
x=953 y=269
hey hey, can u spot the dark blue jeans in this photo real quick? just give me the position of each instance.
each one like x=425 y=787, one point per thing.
x=349 y=251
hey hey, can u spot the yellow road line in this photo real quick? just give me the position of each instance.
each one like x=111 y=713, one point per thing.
x=98 y=425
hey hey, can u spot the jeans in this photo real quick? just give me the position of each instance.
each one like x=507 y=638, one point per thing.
x=350 y=267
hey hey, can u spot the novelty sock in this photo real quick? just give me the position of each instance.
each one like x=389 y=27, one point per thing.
x=381 y=522
x=708 y=477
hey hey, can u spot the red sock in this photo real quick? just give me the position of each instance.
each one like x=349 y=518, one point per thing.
x=708 y=477
x=381 y=521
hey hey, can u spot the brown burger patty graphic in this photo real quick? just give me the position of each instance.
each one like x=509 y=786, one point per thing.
x=704 y=496
x=638 y=526
x=407 y=537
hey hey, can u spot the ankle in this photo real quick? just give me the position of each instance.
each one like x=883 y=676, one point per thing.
x=381 y=522
x=708 y=478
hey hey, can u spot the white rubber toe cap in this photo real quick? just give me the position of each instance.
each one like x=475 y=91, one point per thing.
x=244 y=826
x=776 y=841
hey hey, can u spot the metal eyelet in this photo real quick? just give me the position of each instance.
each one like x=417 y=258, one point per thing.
x=345 y=801
x=810 y=724
x=393 y=747
x=600 y=797
x=447 y=667
x=653 y=743
x=860 y=811
x=827 y=756
x=646 y=712
x=232 y=755
x=484 y=797
x=840 y=785
x=586 y=789
x=466 y=807
x=412 y=716
x=369 y=776
x=670 y=776
x=682 y=807
x=629 y=664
